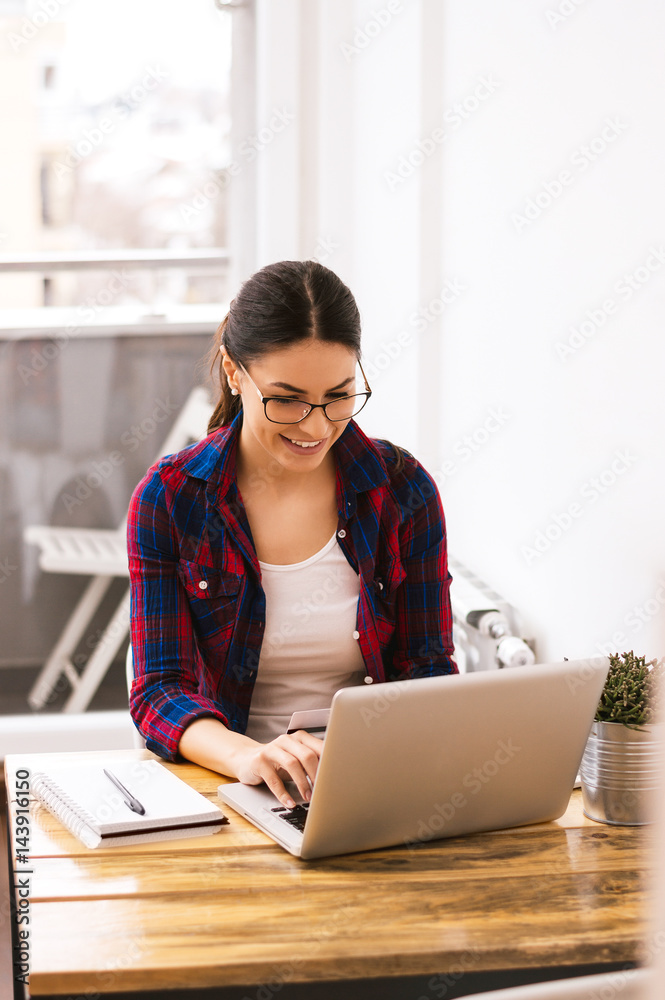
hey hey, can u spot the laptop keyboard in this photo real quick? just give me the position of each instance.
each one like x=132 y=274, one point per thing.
x=296 y=816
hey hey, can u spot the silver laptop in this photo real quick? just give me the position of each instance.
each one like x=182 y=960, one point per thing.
x=412 y=761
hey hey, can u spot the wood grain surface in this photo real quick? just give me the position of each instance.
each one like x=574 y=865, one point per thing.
x=235 y=909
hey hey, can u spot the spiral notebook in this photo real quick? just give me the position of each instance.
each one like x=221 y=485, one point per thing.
x=103 y=812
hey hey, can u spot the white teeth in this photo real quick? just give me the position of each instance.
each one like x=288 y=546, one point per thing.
x=305 y=444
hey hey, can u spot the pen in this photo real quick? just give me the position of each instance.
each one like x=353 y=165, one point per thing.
x=130 y=801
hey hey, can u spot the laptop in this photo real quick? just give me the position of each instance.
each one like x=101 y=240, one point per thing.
x=412 y=761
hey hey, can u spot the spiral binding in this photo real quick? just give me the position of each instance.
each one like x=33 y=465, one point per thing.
x=64 y=808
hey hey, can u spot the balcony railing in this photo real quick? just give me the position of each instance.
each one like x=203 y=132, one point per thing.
x=88 y=260
x=124 y=320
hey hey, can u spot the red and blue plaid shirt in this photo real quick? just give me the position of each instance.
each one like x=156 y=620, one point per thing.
x=197 y=605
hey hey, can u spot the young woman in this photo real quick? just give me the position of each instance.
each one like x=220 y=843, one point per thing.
x=287 y=554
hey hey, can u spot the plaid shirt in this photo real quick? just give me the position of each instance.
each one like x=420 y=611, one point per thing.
x=197 y=605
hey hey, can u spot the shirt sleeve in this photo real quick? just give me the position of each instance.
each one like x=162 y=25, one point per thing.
x=164 y=697
x=424 y=624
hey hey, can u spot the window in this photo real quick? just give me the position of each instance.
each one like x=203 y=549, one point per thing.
x=119 y=118
x=113 y=270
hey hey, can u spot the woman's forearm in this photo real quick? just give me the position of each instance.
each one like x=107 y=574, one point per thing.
x=207 y=741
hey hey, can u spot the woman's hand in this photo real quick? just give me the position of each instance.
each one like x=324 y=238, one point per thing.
x=294 y=756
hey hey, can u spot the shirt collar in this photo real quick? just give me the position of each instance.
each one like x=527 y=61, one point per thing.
x=359 y=460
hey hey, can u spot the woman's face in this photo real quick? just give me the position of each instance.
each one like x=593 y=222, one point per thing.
x=312 y=371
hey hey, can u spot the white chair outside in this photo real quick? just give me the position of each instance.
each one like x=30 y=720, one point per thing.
x=101 y=554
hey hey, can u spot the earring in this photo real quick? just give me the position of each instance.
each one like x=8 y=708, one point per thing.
x=234 y=392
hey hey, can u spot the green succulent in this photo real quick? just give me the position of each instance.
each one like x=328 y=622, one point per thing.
x=633 y=691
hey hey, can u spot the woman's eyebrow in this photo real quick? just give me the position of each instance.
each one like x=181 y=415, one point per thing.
x=292 y=388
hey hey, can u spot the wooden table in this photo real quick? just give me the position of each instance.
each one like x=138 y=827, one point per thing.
x=235 y=910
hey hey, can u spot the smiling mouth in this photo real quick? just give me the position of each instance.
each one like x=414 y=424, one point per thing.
x=304 y=444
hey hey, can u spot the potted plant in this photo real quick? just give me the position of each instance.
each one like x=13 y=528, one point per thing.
x=620 y=770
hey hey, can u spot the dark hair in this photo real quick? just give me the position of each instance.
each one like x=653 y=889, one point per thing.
x=280 y=305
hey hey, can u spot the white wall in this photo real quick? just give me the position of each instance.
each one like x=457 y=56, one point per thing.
x=568 y=415
x=367 y=84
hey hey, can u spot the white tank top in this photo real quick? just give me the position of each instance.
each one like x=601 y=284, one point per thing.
x=310 y=645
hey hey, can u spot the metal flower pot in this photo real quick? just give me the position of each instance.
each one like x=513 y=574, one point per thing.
x=620 y=773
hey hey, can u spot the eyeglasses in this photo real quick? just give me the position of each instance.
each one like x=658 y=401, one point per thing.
x=286 y=410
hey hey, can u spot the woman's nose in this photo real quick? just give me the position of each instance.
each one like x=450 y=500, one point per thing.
x=317 y=423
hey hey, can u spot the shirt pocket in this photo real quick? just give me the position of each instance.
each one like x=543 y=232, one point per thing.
x=386 y=586
x=213 y=597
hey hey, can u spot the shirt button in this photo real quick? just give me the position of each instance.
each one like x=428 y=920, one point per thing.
x=203 y=585
x=356 y=635
x=369 y=680
x=341 y=533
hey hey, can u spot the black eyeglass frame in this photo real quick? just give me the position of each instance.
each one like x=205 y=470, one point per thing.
x=312 y=406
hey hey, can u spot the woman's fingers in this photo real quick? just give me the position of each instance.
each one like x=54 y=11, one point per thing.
x=313 y=744
x=296 y=756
